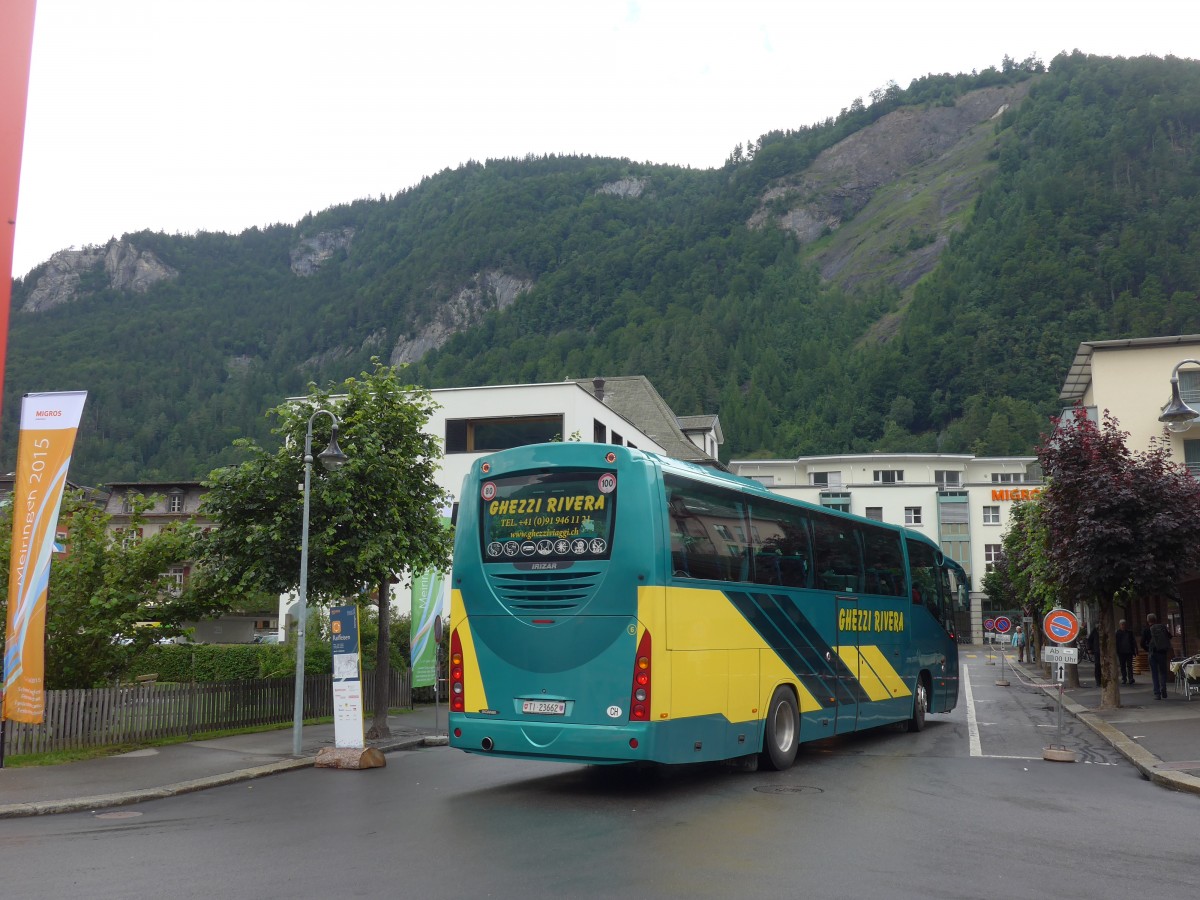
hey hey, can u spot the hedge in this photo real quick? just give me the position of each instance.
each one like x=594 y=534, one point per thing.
x=228 y=662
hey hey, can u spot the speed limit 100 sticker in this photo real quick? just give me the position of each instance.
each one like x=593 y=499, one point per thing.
x=607 y=483
x=488 y=491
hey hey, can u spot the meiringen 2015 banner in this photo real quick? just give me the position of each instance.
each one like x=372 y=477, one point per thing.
x=48 y=426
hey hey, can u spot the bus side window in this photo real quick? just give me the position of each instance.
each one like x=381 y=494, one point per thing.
x=708 y=532
x=836 y=551
x=925 y=577
x=782 y=553
x=884 y=561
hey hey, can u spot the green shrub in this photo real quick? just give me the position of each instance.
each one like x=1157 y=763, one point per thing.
x=229 y=662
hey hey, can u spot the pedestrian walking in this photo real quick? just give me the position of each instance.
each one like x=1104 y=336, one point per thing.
x=1156 y=641
x=1018 y=641
x=1126 y=649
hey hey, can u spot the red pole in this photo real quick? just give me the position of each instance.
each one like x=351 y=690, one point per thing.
x=16 y=49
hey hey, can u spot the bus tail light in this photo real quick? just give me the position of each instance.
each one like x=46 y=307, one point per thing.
x=639 y=697
x=457 y=699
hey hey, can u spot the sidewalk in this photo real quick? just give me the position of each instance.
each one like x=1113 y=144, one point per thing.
x=1160 y=737
x=158 y=772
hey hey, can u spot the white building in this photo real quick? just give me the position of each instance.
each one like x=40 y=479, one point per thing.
x=960 y=501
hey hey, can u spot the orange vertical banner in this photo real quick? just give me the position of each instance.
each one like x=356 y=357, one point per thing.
x=16 y=49
x=48 y=426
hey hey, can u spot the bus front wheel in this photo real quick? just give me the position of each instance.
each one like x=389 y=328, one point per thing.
x=920 y=706
x=781 y=731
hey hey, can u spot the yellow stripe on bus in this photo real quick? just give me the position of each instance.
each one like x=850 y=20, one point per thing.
x=878 y=678
x=474 y=693
x=714 y=651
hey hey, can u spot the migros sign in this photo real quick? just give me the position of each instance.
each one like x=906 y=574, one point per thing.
x=1019 y=494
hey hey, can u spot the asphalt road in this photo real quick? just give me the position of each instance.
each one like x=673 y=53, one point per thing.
x=967 y=808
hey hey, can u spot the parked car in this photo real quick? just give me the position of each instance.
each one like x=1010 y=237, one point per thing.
x=270 y=637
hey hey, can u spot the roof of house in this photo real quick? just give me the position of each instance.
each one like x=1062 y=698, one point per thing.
x=702 y=423
x=1079 y=376
x=634 y=397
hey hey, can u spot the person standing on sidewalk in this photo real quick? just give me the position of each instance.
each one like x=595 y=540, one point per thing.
x=1126 y=648
x=1156 y=641
x=1018 y=641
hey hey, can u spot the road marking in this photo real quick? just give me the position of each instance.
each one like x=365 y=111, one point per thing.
x=972 y=722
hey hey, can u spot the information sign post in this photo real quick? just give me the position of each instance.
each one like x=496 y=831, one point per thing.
x=1062 y=627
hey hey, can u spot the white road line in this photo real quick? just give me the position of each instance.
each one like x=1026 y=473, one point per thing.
x=972 y=722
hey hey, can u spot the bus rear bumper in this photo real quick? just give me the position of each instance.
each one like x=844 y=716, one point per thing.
x=587 y=744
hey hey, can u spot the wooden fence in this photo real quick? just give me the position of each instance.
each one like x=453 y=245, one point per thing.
x=130 y=714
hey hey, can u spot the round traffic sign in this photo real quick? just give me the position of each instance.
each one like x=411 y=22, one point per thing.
x=1003 y=624
x=989 y=624
x=1061 y=626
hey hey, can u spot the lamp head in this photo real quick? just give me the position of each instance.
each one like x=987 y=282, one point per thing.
x=1177 y=415
x=332 y=456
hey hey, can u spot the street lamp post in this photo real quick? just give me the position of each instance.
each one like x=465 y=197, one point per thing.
x=331 y=458
x=1177 y=415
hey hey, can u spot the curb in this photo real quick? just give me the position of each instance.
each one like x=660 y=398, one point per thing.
x=1143 y=760
x=126 y=798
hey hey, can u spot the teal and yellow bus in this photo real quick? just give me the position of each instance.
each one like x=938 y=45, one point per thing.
x=610 y=605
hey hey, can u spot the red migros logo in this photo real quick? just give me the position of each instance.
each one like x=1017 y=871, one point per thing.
x=48 y=414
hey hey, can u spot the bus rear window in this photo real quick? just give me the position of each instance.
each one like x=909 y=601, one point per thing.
x=548 y=516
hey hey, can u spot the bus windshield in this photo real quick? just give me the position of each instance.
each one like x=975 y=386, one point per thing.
x=558 y=515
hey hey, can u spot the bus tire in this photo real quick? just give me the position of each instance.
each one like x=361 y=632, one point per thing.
x=781 y=731
x=920 y=706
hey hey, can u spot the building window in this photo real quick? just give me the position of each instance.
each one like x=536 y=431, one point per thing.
x=175 y=502
x=875 y=512
x=991 y=515
x=617 y=439
x=1191 y=457
x=826 y=479
x=1008 y=478
x=838 y=501
x=912 y=515
x=599 y=432
x=991 y=555
x=482 y=435
x=1189 y=387
x=888 y=476
x=176 y=576
x=764 y=480
x=947 y=479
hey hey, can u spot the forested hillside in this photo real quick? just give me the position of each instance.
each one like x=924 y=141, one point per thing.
x=912 y=274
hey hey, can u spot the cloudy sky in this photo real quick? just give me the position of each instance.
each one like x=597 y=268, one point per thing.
x=184 y=116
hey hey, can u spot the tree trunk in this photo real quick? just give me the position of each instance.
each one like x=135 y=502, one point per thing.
x=383 y=665
x=1110 y=693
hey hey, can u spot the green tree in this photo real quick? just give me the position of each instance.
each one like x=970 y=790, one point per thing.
x=1028 y=569
x=374 y=517
x=1118 y=522
x=105 y=589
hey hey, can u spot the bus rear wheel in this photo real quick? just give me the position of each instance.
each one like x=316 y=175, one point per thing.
x=781 y=735
x=920 y=707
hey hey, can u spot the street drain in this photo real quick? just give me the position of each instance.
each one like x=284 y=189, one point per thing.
x=787 y=789
x=121 y=814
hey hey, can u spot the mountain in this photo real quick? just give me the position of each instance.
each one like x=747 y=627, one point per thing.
x=912 y=274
